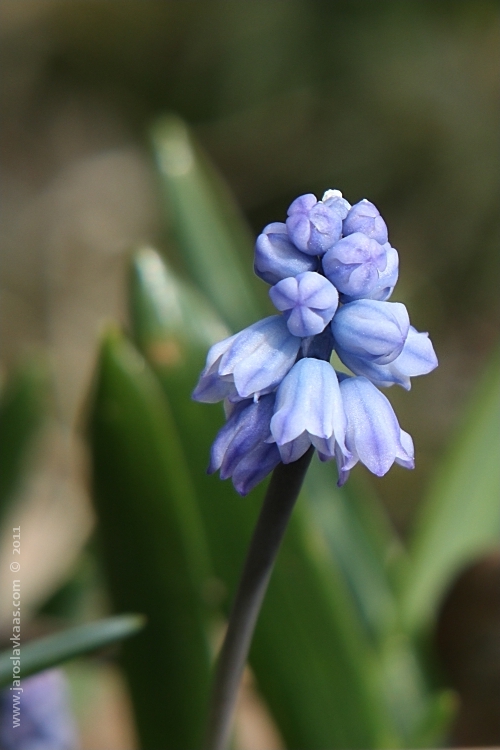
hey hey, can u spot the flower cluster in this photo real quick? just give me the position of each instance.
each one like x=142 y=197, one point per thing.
x=331 y=271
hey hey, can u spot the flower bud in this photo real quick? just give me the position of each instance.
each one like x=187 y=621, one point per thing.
x=308 y=302
x=354 y=265
x=314 y=226
x=374 y=331
x=276 y=257
x=365 y=217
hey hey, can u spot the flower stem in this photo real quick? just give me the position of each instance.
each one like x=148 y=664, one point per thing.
x=281 y=495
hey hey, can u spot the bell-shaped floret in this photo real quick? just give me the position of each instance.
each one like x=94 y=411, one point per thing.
x=373 y=434
x=250 y=363
x=365 y=217
x=309 y=411
x=241 y=449
x=314 y=226
x=276 y=257
x=417 y=358
x=371 y=330
x=308 y=302
x=354 y=265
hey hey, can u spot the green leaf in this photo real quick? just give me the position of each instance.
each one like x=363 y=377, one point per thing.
x=313 y=663
x=360 y=538
x=55 y=649
x=460 y=517
x=23 y=406
x=215 y=243
x=154 y=547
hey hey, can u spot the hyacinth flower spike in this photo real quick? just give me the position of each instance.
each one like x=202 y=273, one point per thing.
x=331 y=270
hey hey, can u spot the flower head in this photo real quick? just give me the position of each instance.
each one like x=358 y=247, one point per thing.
x=331 y=271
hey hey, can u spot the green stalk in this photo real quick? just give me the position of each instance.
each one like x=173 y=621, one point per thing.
x=278 y=504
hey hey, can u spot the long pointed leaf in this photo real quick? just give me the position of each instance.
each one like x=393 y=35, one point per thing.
x=460 y=518
x=23 y=405
x=215 y=243
x=58 y=648
x=153 y=546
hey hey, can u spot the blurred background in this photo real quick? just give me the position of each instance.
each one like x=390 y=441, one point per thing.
x=393 y=101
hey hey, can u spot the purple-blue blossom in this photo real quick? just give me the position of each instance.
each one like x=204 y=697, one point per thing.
x=373 y=434
x=331 y=270
x=46 y=721
x=250 y=363
x=309 y=411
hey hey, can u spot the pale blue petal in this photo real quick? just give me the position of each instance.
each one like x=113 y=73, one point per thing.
x=418 y=356
x=260 y=356
x=255 y=466
x=373 y=433
x=308 y=401
x=276 y=257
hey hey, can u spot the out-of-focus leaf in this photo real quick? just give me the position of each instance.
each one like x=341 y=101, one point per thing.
x=364 y=546
x=360 y=538
x=214 y=240
x=23 y=405
x=55 y=649
x=153 y=545
x=460 y=518
x=312 y=660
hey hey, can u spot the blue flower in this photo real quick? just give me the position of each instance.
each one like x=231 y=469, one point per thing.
x=277 y=258
x=46 y=721
x=309 y=411
x=314 y=226
x=373 y=434
x=250 y=363
x=331 y=271
x=371 y=330
x=308 y=302
x=365 y=217
x=354 y=264
x=241 y=449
